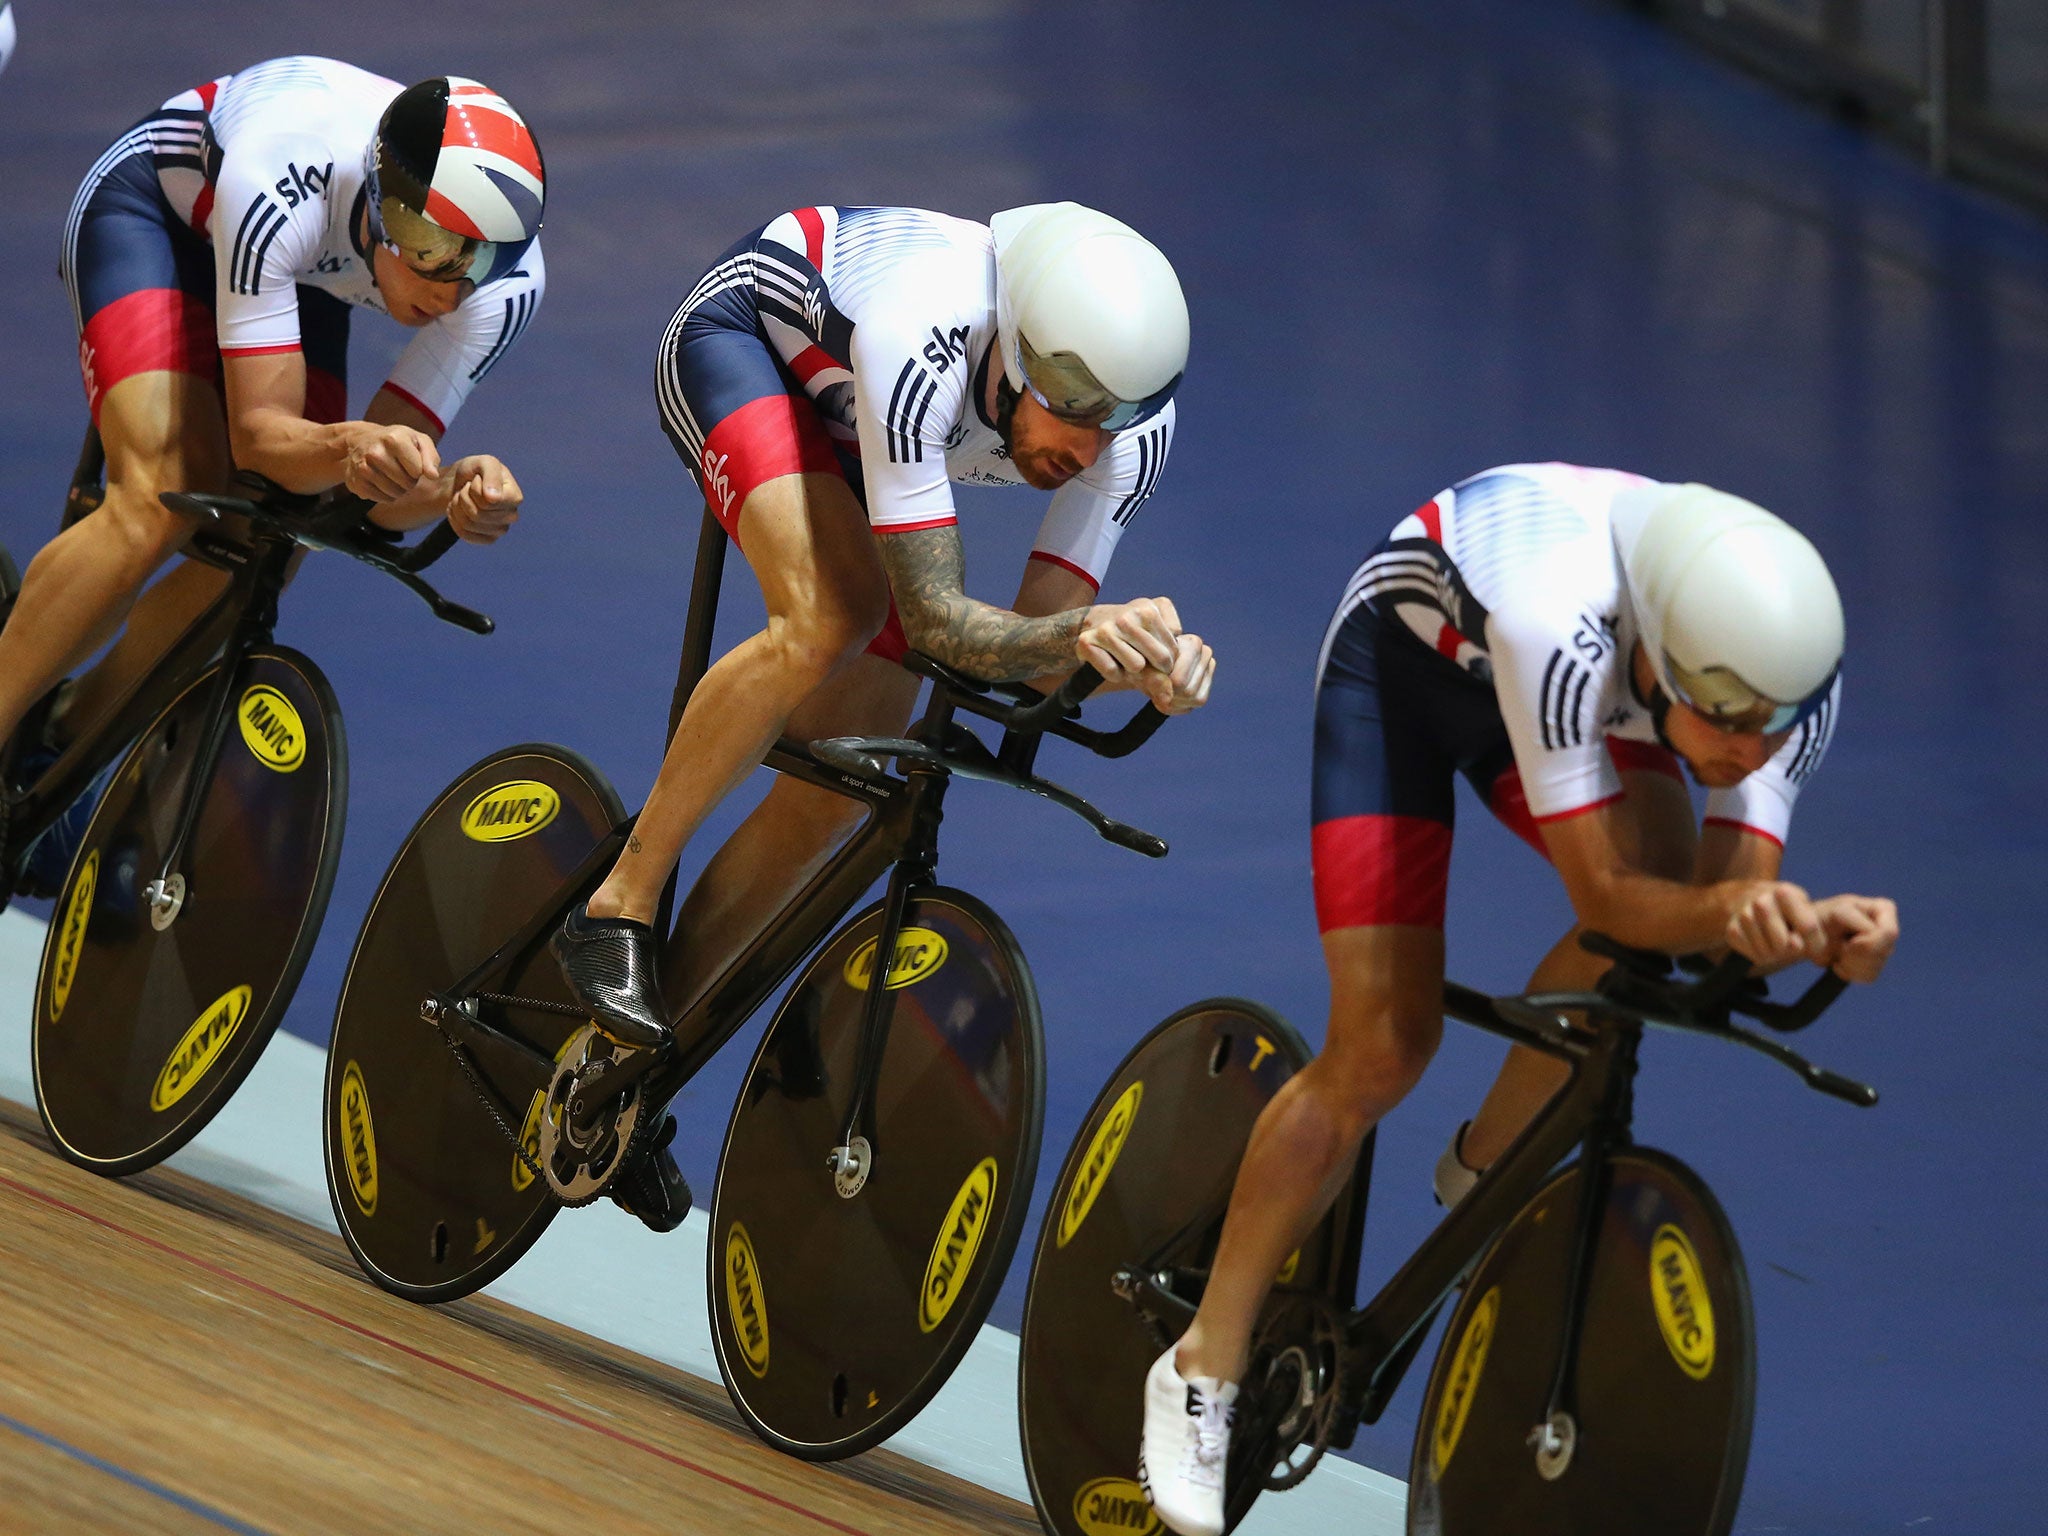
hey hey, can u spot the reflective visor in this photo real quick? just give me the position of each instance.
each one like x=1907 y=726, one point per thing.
x=1729 y=704
x=1061 y=383
x=432 y=252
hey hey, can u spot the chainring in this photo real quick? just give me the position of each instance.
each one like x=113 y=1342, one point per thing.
x=580 y=1163
x=1298 y=1363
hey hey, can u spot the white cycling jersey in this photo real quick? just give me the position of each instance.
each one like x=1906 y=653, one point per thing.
x=888 y=317
x=1514 y=575
x=279 y=192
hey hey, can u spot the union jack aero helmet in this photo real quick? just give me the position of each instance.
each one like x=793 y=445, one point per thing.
x=456 y=182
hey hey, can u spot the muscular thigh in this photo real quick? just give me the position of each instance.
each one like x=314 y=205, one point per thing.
x=1392 y=726
x=760 y=454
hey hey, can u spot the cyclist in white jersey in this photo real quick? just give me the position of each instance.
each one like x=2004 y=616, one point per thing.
x=1563 y=638
x=212 y=257
x=827 y=381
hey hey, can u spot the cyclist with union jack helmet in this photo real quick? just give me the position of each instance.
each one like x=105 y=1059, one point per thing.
x=213 y=256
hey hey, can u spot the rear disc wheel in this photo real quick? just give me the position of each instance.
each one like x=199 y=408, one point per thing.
x=1149 y=1174
x=433 y=1196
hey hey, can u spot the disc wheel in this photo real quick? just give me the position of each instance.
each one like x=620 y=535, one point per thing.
x=1666 y=1371
x=1149 y=1176
x=148 y=1017
x=837 y=1316
x=432 y=1196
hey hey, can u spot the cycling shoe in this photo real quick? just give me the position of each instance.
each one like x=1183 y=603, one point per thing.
x=47 y=860
x=609 y=965
x=652 y=1187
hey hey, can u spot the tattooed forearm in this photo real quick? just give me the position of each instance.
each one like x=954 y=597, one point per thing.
x=927 y=573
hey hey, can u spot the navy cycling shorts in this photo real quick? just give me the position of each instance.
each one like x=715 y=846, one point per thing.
x=141 y=286
x=736 y=414
x=1396 y=723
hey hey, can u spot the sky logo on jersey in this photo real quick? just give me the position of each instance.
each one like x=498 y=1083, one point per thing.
x=958 y=1241
x=1114 y=1506
x=301 y=184
x=506 y=812
x=1463 y=1382
x=1679 y=1289
x=358 y=1139
x=71 y=936
x=919 y=952
x=272 y=729
x=1103 y=1150
x=746 y=1304
x=200 y=1048
x=945 y=347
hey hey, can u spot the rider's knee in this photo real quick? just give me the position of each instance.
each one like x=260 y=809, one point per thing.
x=1377 y=1063
x=818 y=639
x=145 y=531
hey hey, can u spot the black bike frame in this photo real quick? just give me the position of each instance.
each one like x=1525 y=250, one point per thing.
x=899 y=833
x=238 y=621
x=1593 y=1111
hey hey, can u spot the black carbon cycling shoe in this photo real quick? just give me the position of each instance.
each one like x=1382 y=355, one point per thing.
x=609 y=964
x=652 y=1187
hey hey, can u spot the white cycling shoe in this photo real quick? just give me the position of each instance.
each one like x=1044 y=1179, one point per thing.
x=1186 y=1446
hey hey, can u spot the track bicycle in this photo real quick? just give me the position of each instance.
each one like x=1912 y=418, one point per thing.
x=881 y=1155
x=1598 y=1372
x=184 y=922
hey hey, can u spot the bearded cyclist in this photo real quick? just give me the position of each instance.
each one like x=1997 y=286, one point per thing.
x=827 y=381
x=1565 y=638
x=212 y=257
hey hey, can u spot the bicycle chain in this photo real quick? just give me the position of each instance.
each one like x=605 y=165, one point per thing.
x=483 y=1094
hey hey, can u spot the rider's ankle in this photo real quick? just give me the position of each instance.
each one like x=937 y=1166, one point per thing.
x=610 y=908
x=1192 y=1362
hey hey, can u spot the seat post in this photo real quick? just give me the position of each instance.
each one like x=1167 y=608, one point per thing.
x=702 y=617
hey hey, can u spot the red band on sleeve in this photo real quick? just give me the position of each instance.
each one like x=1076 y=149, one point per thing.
x=1067 y=565
x=1743 y=826
x=930 y=522
x=411 y=399
x=276 y=351
x=1577 y=810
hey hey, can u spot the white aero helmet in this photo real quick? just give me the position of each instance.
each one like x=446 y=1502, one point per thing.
x=1737 y=613
x=1091 y=317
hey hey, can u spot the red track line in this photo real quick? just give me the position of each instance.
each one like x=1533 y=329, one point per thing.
x=435 y=1360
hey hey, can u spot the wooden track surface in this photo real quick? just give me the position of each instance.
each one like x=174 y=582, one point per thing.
x=177 y=1359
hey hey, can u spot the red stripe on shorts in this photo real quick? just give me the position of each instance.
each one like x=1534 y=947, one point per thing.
x=763 y=440
x=152 y=330
x=1375 y=870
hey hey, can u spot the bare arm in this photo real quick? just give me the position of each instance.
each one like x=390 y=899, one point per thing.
x=1609 y=893
x=927 y=574
x=269 y=433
